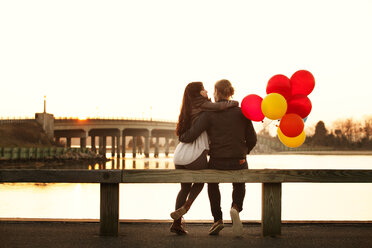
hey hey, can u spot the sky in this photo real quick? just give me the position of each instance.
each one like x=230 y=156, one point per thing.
x=134 y=58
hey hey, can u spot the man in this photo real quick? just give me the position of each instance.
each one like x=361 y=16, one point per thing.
x=232 y=137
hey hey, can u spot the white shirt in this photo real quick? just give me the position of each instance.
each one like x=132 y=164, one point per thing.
x=186 y=153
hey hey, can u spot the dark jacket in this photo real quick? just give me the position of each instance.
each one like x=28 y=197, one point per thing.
x=201 y=104
x=230 y=133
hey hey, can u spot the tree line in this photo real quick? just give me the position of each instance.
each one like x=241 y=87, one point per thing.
x=343 y=134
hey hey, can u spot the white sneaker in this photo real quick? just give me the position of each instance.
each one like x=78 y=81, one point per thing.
x=237 y=225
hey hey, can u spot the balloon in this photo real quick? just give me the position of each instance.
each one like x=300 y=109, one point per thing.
x=302 y=82
x=299 y=104
x=291 y=142
x=274 y=106
x=291 y=125
x=251 y=107
x=279 y=84
x=305 y=119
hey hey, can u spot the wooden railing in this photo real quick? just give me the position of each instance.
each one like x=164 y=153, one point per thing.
x=110 y=179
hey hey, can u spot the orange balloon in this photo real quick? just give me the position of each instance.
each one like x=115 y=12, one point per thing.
x=291 y=125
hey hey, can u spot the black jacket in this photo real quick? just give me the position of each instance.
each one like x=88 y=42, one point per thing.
x=230 y=133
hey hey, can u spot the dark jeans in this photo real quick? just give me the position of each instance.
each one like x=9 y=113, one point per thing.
x=190 y=191
x=214 y=189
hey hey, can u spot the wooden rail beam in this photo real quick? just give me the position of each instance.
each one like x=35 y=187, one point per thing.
x=60 y=176
x=181 y=176
x=248 y=176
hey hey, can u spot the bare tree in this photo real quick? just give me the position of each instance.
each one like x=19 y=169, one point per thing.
x=367 y=128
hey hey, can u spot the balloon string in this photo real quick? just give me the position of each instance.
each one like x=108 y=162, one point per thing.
x=265 y=126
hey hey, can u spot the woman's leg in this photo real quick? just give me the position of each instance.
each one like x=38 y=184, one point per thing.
x=199 y=164
x=196 y=188
x=183 y=205
x=176 y=226
x=182 y=195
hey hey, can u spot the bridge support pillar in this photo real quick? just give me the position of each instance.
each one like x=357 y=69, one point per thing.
x=166 y=146
x=68 y=142
x=156 y=152
x=100 y=145
x=118 y=146
x=134 y=145
x=123 y=146
x=83 y=142
x=147 y=146
x=104 y=145
x=93 y=143
x=113 y=146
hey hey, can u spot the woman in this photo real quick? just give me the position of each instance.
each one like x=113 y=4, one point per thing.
x=192 y=156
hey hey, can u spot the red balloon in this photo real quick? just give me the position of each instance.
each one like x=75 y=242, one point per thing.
x=251 y=107
x=299 y=104
x=291 y=125
x=279 y=84
x=302 y=83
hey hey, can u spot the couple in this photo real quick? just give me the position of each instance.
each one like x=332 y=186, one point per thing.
x=220 y=130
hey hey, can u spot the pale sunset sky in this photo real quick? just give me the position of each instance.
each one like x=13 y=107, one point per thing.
x=134 y=58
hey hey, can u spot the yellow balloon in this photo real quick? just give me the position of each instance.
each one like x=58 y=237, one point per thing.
x=274 y=106
x=291 y=142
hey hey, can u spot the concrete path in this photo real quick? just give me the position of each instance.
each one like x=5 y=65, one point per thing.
x=69 y=234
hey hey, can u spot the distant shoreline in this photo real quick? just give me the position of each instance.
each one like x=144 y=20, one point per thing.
x=342 y=153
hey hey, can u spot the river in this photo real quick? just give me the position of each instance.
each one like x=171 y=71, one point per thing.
x=300 y=201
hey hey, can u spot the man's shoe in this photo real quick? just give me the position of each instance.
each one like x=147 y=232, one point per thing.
x=216 y=228
x=237 y=225
x=178 y=213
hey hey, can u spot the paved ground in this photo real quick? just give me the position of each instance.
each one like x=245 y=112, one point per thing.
x=67 y=234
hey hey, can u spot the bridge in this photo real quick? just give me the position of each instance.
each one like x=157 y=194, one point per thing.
x=98 y=130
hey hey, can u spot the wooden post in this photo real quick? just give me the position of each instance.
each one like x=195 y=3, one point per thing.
x=271 y=209
x=109 y=212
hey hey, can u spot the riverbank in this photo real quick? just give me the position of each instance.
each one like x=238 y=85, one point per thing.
x=27 y=143
x=26 y=134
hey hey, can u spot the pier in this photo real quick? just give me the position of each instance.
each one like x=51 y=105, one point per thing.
x=156 y=234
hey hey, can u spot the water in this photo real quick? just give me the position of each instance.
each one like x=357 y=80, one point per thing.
x=300 y=201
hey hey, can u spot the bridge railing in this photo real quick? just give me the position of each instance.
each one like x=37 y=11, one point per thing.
x=110 y=179
x=112 y=119
x=16 y=120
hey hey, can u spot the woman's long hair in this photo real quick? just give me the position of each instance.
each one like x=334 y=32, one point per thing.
x=192 y=91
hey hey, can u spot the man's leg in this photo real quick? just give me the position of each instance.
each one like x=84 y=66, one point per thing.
x=215 y=201
x=238 y=195
x=237 y=206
